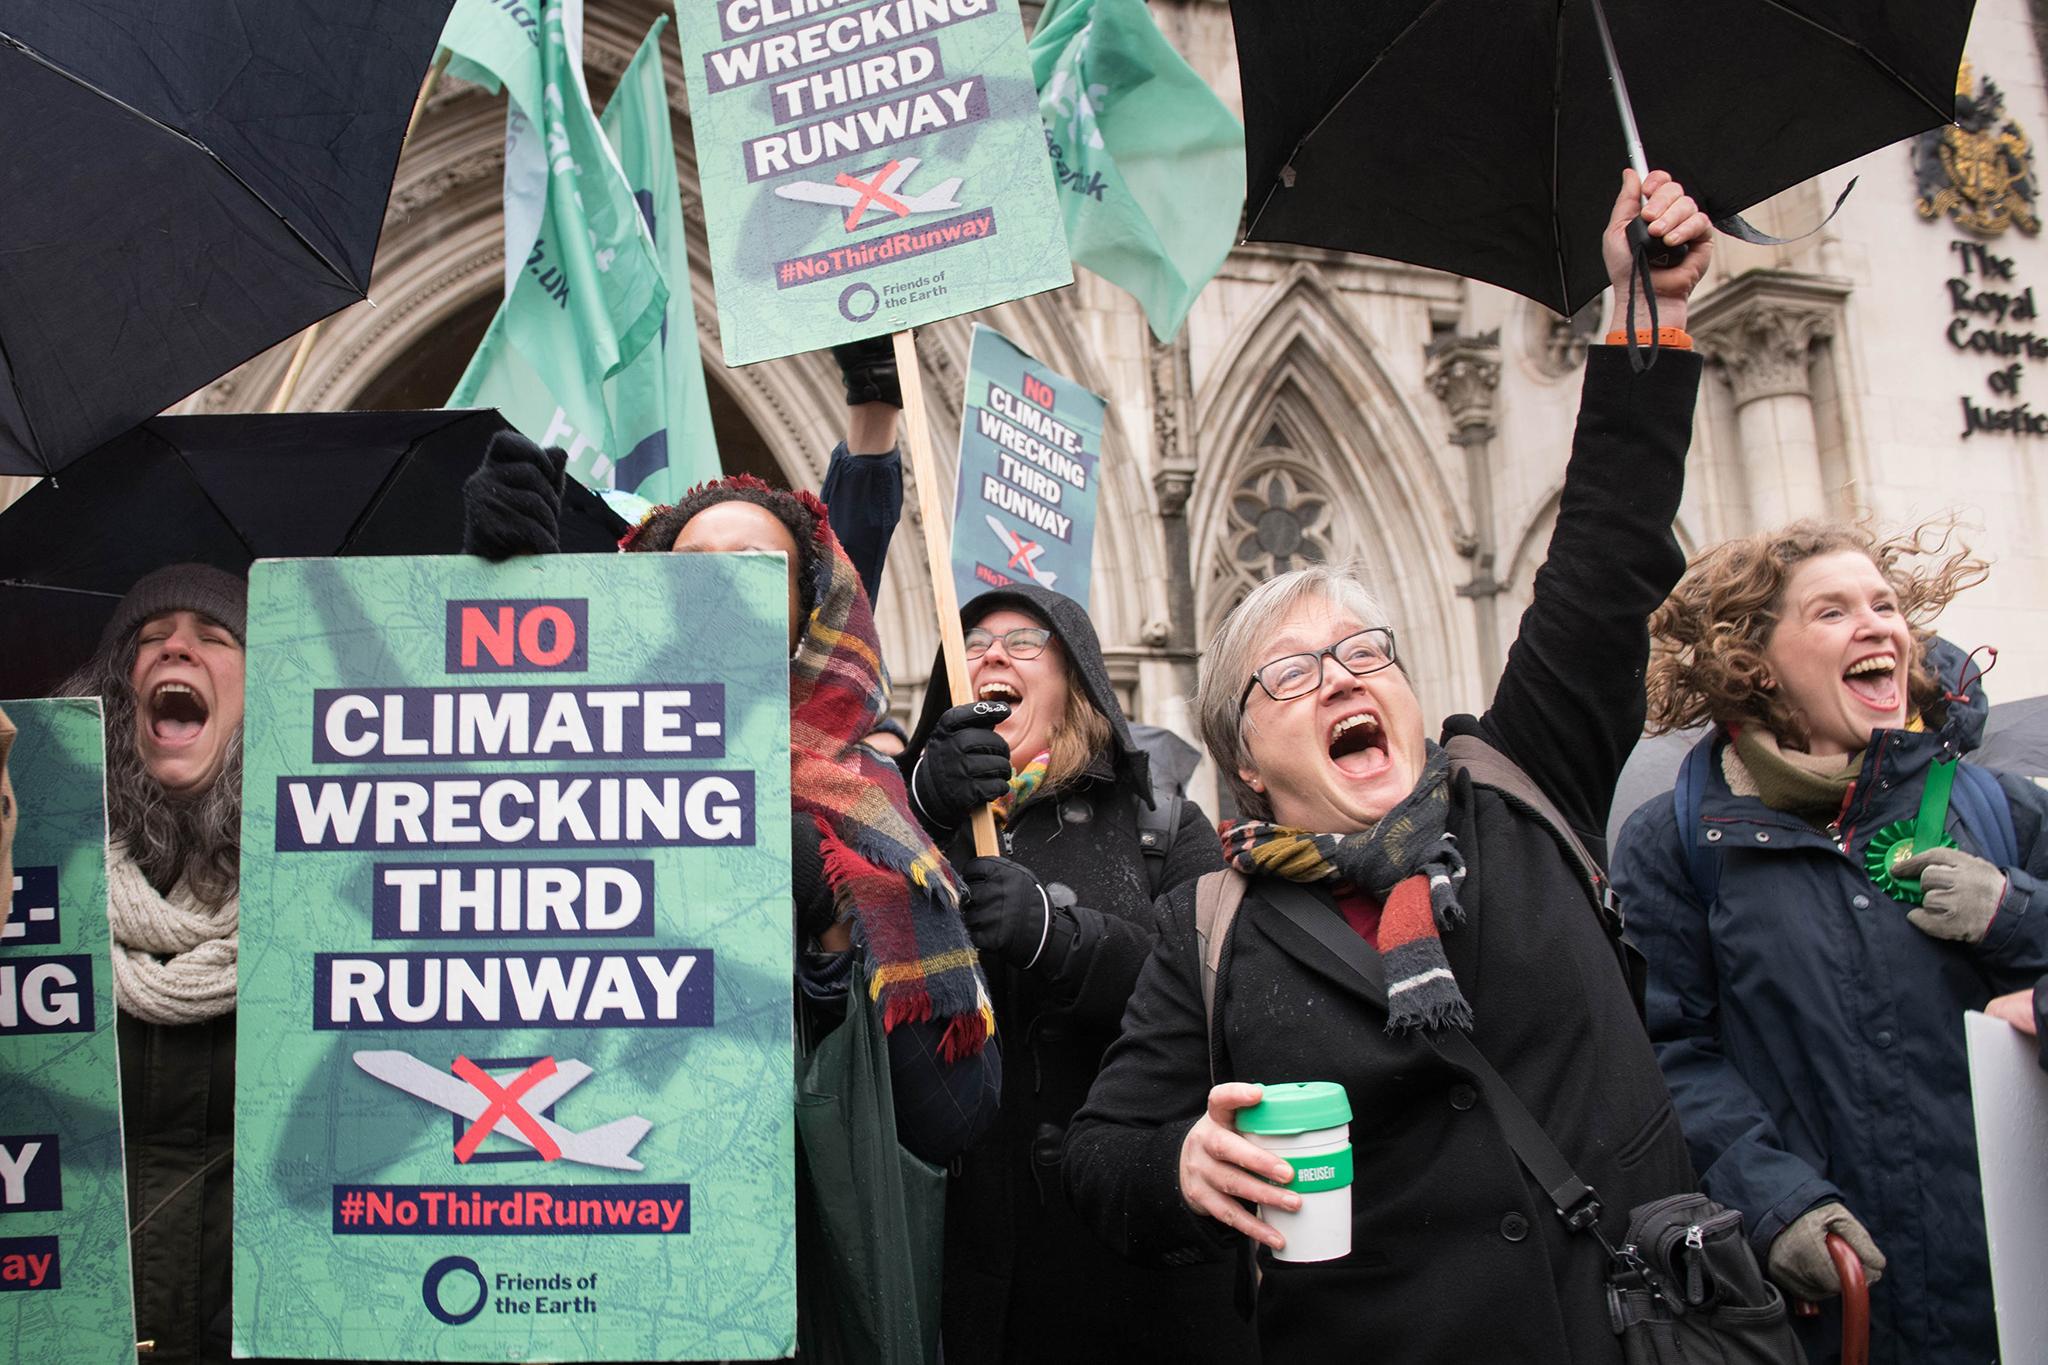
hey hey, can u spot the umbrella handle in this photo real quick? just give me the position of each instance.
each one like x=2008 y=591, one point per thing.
x=1654 y=249
x=1855 y=1302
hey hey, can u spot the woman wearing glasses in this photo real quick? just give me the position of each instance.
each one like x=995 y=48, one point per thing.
x=1063 y=921
x=1479 y=915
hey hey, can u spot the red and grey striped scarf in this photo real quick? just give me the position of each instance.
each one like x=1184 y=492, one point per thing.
x=883 y=870
x=1410 y=864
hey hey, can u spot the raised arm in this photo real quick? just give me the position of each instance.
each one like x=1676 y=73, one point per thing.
x=1570 y=705
x=863 y=489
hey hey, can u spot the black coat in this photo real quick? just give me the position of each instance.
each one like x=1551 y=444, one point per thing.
x=1456 y=1253
x=1026 y=1281
x=1813 y=1037
x=178 y=1132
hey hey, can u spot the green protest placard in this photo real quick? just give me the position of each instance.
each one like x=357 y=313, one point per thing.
x=1030 y=441
x=866 y=167
x=514 y=1071
x=63 y=1200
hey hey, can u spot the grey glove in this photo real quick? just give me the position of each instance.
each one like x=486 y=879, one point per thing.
x=1962 y=893
x=1799 y=1259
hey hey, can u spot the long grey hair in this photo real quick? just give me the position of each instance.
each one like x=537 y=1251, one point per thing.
x=168 y=835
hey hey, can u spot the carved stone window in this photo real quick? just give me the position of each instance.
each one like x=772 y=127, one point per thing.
x=1279 y=521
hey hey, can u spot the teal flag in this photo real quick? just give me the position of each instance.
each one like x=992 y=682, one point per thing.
x=661 y=416
x=584 y=289
x=1150 y=164
x=514 y=1069
x=63 y=1201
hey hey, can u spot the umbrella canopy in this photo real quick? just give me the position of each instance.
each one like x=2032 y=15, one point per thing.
x=1481 y=136
x=184 y=186
x=227 y=491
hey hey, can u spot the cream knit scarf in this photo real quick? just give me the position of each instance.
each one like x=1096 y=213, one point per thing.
x=174 y=960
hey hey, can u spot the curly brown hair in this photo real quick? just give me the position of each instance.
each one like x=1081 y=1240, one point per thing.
x=1709 y=636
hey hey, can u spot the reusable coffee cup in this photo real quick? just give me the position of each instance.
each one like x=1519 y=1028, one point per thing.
x=1307 y=1124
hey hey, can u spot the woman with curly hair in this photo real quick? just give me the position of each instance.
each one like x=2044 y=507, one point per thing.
x=1825 y=893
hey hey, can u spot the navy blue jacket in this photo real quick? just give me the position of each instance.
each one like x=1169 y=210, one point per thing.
x=1813 y=1038
x=863 y=497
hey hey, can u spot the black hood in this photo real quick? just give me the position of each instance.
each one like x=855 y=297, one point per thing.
x=1069 y=623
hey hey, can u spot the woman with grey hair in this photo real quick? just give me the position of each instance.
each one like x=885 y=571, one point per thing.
x=169 y=673
x=1480 y=914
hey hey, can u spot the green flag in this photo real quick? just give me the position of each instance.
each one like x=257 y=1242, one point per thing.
x=584 y=290
x=661 y=416
x=1150 y=164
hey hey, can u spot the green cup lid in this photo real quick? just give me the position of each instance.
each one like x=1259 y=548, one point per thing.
x=1296 y=1107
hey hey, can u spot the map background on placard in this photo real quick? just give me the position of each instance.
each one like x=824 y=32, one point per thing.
x=69 y=1083
x=721 y=1098
x=1001 y=161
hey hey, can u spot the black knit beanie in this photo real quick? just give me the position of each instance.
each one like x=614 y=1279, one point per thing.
x=217 y=595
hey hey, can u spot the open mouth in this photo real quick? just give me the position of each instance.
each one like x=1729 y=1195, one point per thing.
x=999 y=691
x=176 y=714
x=1874 y=680
x=1358 y=746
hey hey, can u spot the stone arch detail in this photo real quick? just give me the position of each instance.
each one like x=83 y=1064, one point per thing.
x=1307 y=409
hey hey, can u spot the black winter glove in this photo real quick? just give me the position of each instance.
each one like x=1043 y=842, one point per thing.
x=815 y=910
x=512 y=505
x=869 y=370
x=965 y=764
x=1009 y=915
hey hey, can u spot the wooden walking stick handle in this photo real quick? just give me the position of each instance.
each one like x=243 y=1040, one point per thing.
x=1855 y=1302
x=938 y=552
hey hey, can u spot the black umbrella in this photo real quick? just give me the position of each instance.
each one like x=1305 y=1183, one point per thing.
x=1482 y=136
x=227 y=491
x=184 y=185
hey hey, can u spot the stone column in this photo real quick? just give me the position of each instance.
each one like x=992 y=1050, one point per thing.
x=1757 y=334
x=1464 y=374
x=1173 y=480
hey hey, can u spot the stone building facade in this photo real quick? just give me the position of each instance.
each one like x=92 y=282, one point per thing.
x=1320 y=405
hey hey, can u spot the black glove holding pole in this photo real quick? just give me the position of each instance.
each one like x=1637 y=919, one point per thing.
x=1010 y=916
x=512 y=505
x=965 y=764
x=868 y=368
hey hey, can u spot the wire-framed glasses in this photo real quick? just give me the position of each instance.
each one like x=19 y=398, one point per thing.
x=1297 y=675
x=1025 y=642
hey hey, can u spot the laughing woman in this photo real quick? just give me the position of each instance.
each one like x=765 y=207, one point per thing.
x=1063 y=921
x=1807 y=1004
x=1480 y=918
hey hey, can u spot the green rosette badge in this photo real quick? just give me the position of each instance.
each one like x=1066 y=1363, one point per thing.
x=1902 y=839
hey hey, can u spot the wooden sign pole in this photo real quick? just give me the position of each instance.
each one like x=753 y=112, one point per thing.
x=938 y=550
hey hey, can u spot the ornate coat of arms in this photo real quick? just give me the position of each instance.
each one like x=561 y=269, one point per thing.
x=1978 y=170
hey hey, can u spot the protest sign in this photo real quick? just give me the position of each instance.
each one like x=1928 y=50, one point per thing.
x=2009 y=1094
x=1030 y=441
x=63 y=1200
x=866 y=167
x=514 y=1074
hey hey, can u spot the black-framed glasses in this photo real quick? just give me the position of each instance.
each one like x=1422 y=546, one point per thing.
x=1025 y=642
x=1297 y=675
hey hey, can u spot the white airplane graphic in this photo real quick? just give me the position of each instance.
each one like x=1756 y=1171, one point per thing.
x=877 y=195
x=1023 y=553
x=609 y=1145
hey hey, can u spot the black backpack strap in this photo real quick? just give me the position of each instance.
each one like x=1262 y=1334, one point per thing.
x=1489 y=767
x=1575 y=1201
x=1157 y=824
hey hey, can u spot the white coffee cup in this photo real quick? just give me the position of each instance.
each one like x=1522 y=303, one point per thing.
x=1308 y=1125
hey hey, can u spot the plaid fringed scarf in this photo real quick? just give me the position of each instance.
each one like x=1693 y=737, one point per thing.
x=883 y=869
x=1410 y=864
x=1022 y=784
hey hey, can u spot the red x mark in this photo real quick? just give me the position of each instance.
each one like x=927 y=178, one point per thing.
x=504 y=1101
x=1021 y=559
x=872 y=192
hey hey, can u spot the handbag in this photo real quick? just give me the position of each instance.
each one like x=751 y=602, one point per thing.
x=870 y=1216
x=1684 y=1287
